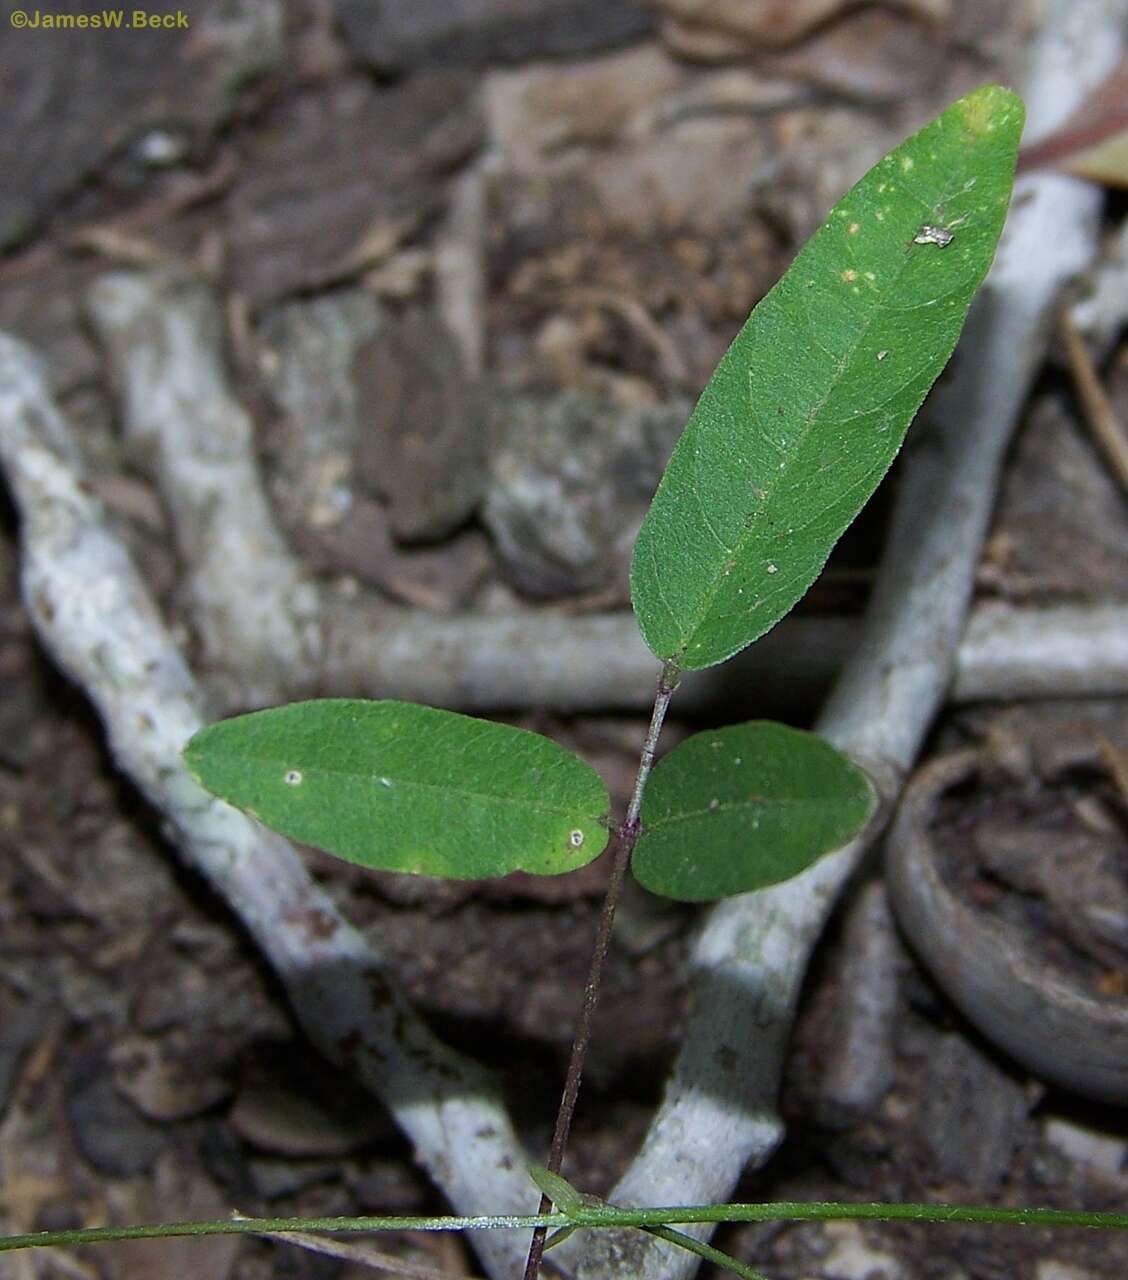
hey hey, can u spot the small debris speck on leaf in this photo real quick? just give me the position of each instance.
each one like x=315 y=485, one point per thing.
x=939 y=236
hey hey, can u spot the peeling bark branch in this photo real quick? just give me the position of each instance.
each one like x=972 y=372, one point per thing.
x=96 y=618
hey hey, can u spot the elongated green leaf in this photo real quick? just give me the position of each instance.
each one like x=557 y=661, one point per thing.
x=745 y=807
x=401 y=787
x=810 y=404
x=559 y=1190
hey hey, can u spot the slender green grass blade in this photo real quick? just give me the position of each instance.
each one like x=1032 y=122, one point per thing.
x=810 y=404
x=400 y=787
x=725 y=1261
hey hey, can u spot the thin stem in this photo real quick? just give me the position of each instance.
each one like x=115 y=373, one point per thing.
x=667 y=683
x=276 y=1226
x=588 y=1218
x=364 y=1255
x=1099 y=413
x=625 y=840
x=832 y=1211
x=717 y=1256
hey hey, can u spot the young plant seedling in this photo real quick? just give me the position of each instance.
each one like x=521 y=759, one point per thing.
x=796 y=428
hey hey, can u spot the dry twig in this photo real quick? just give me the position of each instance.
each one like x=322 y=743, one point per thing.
x=1099 y=413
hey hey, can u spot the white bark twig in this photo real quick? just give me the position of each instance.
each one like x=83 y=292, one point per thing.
x=719 y=1111
x=862 y=1067
x=600 y=663
x=95 y=616
x=164 y=334
x=1072 y=651
x=460 y=268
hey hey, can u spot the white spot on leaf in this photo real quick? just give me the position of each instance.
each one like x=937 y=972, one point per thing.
x=939 y=236
x=576 y=839
x=292 y=777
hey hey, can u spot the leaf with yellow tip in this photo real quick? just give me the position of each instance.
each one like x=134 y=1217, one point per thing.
x=810 y=404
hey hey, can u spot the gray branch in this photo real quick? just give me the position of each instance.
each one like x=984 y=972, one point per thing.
x=599 y=662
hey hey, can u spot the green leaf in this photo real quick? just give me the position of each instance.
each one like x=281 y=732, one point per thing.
x=558 y=1237
x=745 y=807
x=559 y=1190
x=810 y=404
x=400 y=787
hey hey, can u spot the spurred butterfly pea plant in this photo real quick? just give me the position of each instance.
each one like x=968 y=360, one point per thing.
x=796 y=428
x=800 y=421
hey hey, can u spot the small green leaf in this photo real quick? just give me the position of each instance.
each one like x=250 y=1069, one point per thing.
x=558 y=1237
x=810 y=404
x=745 y=807
x=559 y=1190
x=400 y=787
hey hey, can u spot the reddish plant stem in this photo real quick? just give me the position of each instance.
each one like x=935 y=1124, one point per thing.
x=626 y=837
